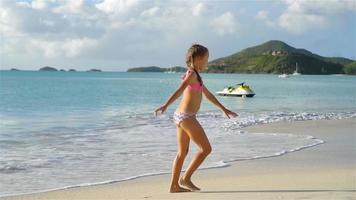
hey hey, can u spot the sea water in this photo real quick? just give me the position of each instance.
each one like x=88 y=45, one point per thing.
x=66 y=129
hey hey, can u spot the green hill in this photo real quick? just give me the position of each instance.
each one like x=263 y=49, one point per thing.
x=350 y=68
x=277 y=57
x=340 y=60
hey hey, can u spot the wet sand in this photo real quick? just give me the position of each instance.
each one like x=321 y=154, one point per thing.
x=325 y=171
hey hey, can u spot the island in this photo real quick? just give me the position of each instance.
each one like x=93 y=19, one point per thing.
x=277 y=57
x=47 y=68
x=94 y=70
x=52 y=69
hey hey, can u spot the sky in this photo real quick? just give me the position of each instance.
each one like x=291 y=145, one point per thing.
x=114 y=35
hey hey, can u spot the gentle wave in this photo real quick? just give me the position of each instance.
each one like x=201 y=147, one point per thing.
x=212 y=121
x=220 y=164
x=272 y=117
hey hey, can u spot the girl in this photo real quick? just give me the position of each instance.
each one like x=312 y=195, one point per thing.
x=188 y=127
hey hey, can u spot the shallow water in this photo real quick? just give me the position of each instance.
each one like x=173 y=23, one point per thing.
x=60 y=129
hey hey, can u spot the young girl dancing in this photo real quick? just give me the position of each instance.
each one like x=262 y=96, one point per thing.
x=184 y=117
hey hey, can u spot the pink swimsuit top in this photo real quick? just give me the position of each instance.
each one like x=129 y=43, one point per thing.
x=194 y=86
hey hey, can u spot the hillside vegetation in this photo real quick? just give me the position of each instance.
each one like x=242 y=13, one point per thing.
x=278 y=57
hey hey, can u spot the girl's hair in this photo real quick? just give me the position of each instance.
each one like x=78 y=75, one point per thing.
x=196 y=50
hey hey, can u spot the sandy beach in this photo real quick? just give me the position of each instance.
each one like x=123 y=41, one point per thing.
x=325 y=171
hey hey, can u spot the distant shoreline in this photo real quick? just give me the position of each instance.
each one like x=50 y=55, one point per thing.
x=3 y=70
x=52 y=69
x=33 y=70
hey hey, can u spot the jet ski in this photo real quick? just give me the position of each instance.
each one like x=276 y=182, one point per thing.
x=239 y=90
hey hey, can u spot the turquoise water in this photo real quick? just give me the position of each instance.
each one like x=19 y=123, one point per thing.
x=75 y=128
x=41 y=92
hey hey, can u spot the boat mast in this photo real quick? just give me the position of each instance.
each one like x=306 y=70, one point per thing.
x=296 y=67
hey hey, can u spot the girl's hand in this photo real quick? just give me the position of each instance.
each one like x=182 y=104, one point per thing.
x=228 y=113
x=162 y=109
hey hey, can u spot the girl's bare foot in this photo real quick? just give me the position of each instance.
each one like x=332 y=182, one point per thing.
x=177 y=188
x=188 y=183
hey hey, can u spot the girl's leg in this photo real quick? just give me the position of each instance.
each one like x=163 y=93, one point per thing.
x=183 y=146
x=197 y=134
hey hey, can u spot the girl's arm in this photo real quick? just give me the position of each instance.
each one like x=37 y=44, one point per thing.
x=213 y=100
x=176 y=94
x=186 y=81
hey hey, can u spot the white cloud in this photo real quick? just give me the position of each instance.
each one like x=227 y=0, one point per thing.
x=129 y=30
x=50 y=30
x=117 y=6
x=8 y=24
x=106 y=30
x=304 y=15
x=224 y=24
x=71 y=7
x=59 y=29
x=41 y=4
x=48 y=49
x=150 y=12
x=299 y=23
x=262 y=15
x=325 y=7
x=23 y=4
x=198 y=9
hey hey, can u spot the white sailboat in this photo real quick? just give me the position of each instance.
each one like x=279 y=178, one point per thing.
x=296 y=70
x=170 y=71
x=283 y=76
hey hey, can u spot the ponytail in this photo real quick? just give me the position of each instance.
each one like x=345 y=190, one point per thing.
x=199 y=78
